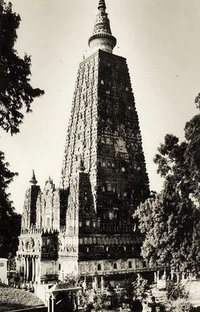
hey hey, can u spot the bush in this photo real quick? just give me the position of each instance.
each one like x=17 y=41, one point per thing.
x=135 y=286
x=179 y=305
x=196 y=309
x=141 y=287
x=176 y=291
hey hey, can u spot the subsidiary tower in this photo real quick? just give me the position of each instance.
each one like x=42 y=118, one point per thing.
x=86 y=226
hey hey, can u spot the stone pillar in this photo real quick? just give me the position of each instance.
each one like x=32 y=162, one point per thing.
x=102 y=284
x=27 y=268
x=52 y=303
x=33 y=269
x=165 y=275
x=24 y=268
x=49 y=304
x=94 y=284
x=77 y=300
x=155 y=277
x=36 y=269
x=158 y=276
x=178 y=277
x=172 y=275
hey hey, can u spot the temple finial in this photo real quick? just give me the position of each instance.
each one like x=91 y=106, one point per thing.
x=102 y=5
x=33 y=180
x=102 y=38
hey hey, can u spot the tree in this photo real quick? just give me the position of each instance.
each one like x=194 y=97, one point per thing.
x=16 y=93
x=170 y=221
x=16 y=96
x=9 y=220
x=135 y=286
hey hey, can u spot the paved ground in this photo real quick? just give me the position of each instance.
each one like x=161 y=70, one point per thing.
x=194 y=291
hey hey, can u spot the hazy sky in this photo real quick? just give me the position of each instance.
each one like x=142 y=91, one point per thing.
x=159 y=38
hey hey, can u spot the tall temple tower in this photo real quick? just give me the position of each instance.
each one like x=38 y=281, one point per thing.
x=104 y=175
x=104 y=130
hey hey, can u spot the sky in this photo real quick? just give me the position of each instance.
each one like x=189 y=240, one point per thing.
x=159 y=38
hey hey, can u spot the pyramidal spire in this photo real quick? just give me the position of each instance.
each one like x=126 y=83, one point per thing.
x=102 y=37
x=33 y=180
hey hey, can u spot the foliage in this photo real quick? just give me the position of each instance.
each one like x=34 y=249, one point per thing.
x=8 y=218
x=180 y=305
x=176 y=291
x=195 y=309
x=11 y=298
x=197 y=101
x=16 y=93
x=170 y=220
x=16 y=96
x=138 y=287
x=70 y=281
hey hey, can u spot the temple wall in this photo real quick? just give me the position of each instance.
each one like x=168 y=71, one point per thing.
x=109 y=267
x=49 y=268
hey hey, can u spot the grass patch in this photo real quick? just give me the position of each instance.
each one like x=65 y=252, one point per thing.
x=13 y=299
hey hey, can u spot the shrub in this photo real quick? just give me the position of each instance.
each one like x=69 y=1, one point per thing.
x=176 y=291
x=140 y=287
x=179 y=305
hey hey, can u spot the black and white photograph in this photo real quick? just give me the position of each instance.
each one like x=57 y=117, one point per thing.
x=100 y=156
